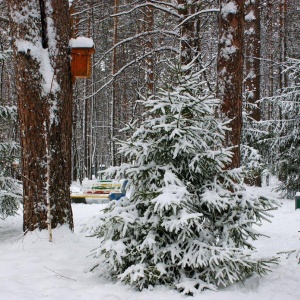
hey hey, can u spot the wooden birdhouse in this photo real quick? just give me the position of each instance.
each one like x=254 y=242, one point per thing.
x=82 y=49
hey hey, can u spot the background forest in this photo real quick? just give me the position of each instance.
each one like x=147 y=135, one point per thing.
x=188 y=100
x=135 y=41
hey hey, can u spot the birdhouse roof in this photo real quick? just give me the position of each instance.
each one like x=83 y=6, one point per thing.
x=81 y=42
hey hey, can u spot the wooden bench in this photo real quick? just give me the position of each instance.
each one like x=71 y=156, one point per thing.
x=100 y=190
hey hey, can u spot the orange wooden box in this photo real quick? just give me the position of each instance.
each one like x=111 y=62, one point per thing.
x=81 y=64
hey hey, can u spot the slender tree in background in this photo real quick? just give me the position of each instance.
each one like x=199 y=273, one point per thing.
x=114 y=85
x=283 y=43
x=270 y=50
x=230 y=71
x=149 y=63
x=189 y=30
x=252 y=60
x=40 y=43
x=252 y=47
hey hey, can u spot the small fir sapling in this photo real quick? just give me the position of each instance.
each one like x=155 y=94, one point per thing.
x=287 y=141
x=10 y=188
x=281 y=141
x=251 y=157
x=187 y=222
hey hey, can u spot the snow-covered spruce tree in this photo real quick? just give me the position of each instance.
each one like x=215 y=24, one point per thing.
x=10 y=188
x=187 y=222
x=284 y=137
x=251 y=158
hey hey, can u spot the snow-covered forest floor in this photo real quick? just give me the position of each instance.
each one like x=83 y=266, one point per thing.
x=33 y=268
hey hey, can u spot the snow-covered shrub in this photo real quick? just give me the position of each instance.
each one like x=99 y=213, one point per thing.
x=253 y=162
x=283 y=141
x=188 y=222
x=10 y=188
x=251 y=151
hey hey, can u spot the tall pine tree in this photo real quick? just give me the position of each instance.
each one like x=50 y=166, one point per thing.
x=188 y=221
x=44 y=92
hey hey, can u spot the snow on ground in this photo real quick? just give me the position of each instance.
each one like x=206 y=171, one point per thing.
x=32 y=268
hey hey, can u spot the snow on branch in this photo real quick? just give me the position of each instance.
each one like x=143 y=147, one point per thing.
x=120 y=71
x=205 y=11
x=163 y=32
x=147 y=4
x=3 y=19
x=8 y=111
x=228 y=8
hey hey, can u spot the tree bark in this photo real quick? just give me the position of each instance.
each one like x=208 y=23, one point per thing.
x=189 y=30
x=41 y=33
x=230 y=71
x=270 y=49
x=148 y=27
x=283 y=43
x=252 y=66
x=114 y=86
x=252 y=50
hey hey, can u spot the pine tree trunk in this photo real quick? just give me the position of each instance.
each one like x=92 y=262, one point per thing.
x=189 y=31
x=87 y=132
x=148 y=27
x=270 y=49
x=252 y=50
x=45 y=108
x=283 y=43
x=230 y=71
x=114 y=85
x=252 y=65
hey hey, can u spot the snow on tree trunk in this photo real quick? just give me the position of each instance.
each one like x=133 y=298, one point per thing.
x=149 y=46
x=41 y=33
x=252 y=49
x=230 y=71
x=252 y=52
